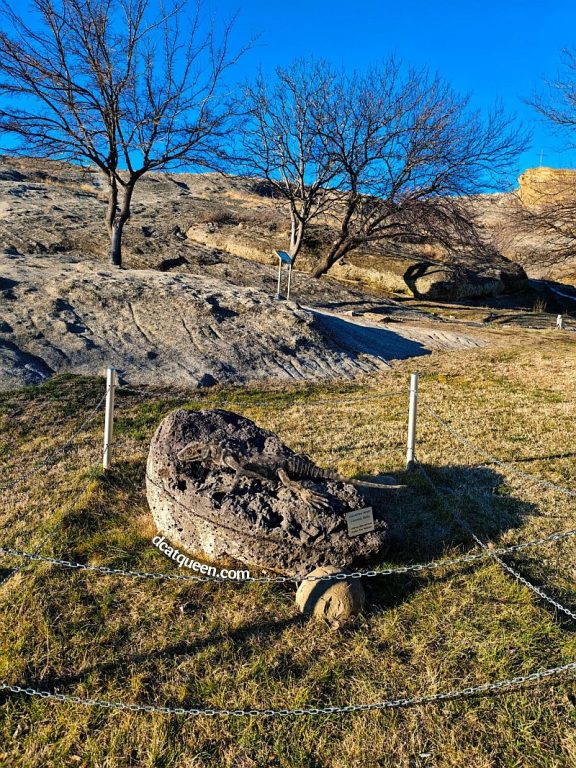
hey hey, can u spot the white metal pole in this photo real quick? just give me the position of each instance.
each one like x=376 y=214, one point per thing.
x=289 y=280
x=412 y=416
x=279 y=276
x=109 y=418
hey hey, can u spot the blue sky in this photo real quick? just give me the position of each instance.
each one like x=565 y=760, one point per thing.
x=493 y=50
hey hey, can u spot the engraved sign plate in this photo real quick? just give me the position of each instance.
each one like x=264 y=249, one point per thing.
x=360 y=521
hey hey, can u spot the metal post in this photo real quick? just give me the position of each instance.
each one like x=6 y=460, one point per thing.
x=412 y=416
x=289 y=280
x=109 y=417
x=279 y=276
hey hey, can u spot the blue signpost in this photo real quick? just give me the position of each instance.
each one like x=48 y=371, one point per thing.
x=284 y=258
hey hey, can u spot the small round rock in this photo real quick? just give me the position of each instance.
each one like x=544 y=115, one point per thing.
x=336 y=601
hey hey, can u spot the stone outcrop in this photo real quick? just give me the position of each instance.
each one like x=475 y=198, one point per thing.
x=456 y=277
x=540 y=187
x=204 y=507
x=157 y=328
x=446 y=282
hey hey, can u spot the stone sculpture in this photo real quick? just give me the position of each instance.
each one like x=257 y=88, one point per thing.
x=336 y=601
x=220 y=485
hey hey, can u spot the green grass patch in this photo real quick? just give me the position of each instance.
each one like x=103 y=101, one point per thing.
x=245 y=645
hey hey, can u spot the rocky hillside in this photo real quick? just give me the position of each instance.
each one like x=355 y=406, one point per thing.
x=196 y=303
x=63 y=313
x=508 y=221
x=538 y=185
x=156 y=328
x=198 y=220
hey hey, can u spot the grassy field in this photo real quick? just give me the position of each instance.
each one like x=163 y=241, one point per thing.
x=245 y=646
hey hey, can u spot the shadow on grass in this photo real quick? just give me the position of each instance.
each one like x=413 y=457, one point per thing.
x=422 y=529
x=421 y=522
x=177 y=652
x=548 y=457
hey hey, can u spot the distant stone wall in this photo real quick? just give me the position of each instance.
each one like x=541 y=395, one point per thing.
x=247 y=246
x=542 y=186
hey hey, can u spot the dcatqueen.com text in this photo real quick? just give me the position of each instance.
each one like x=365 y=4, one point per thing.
x=203 y=568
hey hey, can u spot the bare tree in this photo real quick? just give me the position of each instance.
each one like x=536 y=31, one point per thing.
x=410 y=150
x=127 y=86
x=284 y=141
x=547 y=196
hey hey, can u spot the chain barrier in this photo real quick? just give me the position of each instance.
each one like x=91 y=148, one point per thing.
x=453 y=695
x=537 y=590
x=397 y=570
x=494 y=554
x=436 y=564
x=435 y=698
x=20 y=470
x=492 y=459
x=344 y=399
x=512 y=571
x=35 y=554
x=51 y=458
x=455 y=433
x=47 y=462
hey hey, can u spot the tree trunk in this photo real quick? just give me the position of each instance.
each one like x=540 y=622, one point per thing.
x=116 y=227
x=335 y=253
x=115 y=252
x=343 y=243
x=296 y=238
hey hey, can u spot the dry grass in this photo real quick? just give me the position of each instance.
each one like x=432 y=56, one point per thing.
x=245 y=645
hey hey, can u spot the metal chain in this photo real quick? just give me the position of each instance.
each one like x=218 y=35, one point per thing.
x=343 y=399
x=325 y=710
x=513 y=572
x=505 y=465
x=45 y=538
x=537 y=590
x=494 y=555
x=436 y=698
x=51 y=458
x=402 y=569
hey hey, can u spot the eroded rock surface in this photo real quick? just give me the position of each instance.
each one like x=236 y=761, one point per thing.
x=205 y=507
x=157 y=328
x=447 y=278
x=433 y=281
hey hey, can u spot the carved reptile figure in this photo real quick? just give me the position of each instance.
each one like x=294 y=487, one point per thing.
x=289 y=471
